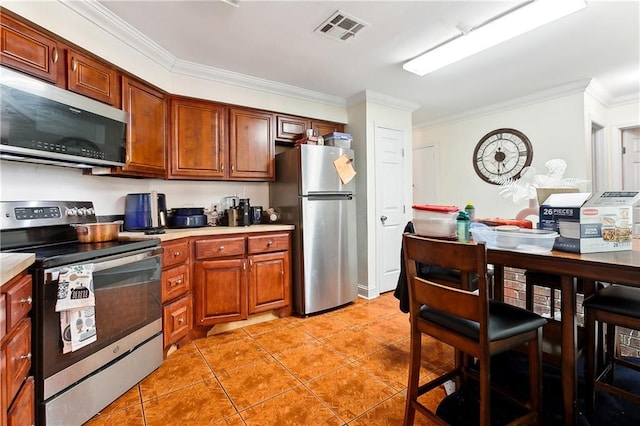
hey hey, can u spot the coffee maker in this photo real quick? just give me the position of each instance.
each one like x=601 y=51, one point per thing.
x=244 y=212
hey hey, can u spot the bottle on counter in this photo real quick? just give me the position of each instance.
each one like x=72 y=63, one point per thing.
x=470 y=210
x=463 y=224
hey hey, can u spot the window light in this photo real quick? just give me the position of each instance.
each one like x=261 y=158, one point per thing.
x=524 y=18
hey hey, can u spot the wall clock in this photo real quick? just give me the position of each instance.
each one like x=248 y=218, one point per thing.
x=502 y=154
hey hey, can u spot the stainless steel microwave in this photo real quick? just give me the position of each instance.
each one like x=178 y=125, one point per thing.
x=43 y=123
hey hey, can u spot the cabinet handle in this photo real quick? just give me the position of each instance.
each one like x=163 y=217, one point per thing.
x=179 y=281
x=180 y=320
x=250 y=263
x=54 y=55
x=74 y=64
x=244 y=266
x=222 y=167
x=28 y=301
x=27 y=356
x=220 y=248
x=176 y=253
x=233 y=168
x=269 y=243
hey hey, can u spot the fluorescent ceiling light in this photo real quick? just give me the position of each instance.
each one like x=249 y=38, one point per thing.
x=519 y=21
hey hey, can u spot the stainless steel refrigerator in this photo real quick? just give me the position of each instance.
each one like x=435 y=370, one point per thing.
x=309 y=194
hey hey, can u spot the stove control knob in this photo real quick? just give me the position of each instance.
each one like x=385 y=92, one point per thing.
x=82 y=211
x=72 y=212
x=91 y=211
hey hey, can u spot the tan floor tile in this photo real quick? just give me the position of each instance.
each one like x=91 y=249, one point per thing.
x=130 y=416
x=354 y=344
x=128 y=399
x=293 y=408
x=220 y=339
x=234 y=420
x=323 y=326
x=266 y=326
x=350 y=391
x=309 y=361
x=389 y=413
x=283 y=339
x=175 y=372
x=257 y=382
x=357 y=314
x=233 y=355
x=201 y=404
x=391 y=328
x=391 y=365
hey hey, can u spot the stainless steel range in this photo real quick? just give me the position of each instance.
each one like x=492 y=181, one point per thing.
x=75 y=379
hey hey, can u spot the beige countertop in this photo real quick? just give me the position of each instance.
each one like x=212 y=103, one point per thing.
x=174 y=234
x=14 y=263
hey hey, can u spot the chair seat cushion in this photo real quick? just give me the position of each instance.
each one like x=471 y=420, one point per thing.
x=504 y=321
x=617 y=299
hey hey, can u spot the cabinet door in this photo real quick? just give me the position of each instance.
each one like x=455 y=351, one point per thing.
x=146 y=133
x=290 y=129
x=269 y=282
x=91 y=78
x=28 y=50
x=251 y=145
x=321 y=128
x=197 y=140
x=22 y=411
x=17 y=350
x=177 y=320
x=221 y=291
x=18 y=300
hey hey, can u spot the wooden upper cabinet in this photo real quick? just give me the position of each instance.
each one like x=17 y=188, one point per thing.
x=30 y=51
x=197 y=140
x=321 y=128
x=146 y=133
x=251 y=145
x=290 y=129
x=92 y=78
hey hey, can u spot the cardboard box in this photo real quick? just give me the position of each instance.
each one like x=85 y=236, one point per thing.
x=603 y=222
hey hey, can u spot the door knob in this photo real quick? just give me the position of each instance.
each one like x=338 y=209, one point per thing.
x=383 y=219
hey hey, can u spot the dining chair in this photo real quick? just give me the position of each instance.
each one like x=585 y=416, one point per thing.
x=467 y=320
x=615 y=306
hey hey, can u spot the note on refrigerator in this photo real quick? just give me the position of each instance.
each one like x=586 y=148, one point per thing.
x=344 y=168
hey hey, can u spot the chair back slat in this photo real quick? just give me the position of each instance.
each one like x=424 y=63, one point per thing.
x=452 y=297
x=449 y=299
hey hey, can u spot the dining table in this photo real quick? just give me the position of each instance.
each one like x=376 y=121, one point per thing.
x=619 y=267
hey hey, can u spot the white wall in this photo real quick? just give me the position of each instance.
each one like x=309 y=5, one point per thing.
x=21 y=181
x=555 y=128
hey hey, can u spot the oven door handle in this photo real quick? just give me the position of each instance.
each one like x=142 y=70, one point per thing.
x=148 y=269
x=109 y=262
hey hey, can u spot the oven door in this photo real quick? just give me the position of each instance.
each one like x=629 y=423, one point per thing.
x=128 y=312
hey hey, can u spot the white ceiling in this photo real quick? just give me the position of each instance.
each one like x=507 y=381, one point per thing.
x=275 y=41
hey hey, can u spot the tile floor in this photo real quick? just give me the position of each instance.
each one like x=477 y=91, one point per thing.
x=345 y=367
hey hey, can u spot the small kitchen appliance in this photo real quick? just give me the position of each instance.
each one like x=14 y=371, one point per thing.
x=244 y=212
x=256 y=214
x=187 y=217
x=145 y=211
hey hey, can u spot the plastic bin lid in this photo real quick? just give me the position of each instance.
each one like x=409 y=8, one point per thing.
x=436 y=208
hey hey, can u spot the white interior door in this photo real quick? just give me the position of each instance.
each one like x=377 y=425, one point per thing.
x=631 y=158
x=389 y=158
x=425 y=172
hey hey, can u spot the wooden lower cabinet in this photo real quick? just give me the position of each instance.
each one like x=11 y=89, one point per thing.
x=17 y=394
x=239 y=275
x=177 y=304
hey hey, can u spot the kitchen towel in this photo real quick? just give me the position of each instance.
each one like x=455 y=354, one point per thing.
x=76 y=305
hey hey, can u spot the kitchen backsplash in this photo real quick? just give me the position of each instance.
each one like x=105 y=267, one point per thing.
x=22 y=181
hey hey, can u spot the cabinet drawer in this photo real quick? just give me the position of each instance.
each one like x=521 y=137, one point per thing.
x=22 y=411
x=176 y=320
x=219 y=247
x=18 y=301
x=175 y=282
x=17 y=349
x=268 y=243
x=175 y=253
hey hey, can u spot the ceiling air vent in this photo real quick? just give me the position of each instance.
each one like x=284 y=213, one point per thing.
x=341 y=26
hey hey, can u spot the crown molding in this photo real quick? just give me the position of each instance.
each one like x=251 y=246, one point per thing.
x=545 y=95
x=382 y=99
x=114 y=25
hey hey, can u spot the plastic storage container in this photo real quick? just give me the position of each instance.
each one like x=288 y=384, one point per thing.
x=435 y=221
x=341 y=140
x=524 y=240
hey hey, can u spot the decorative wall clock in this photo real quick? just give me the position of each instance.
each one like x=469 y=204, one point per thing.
x=502 y=154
